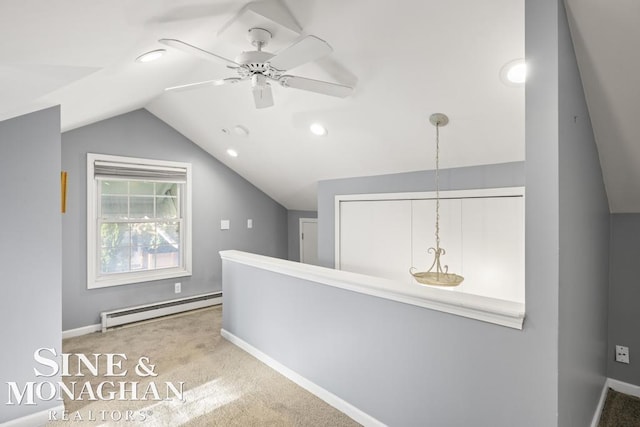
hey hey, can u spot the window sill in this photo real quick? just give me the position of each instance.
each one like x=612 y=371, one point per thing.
x=131 y=278
x=500 y=312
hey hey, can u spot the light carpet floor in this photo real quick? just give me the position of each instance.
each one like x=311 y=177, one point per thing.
x=224 y=386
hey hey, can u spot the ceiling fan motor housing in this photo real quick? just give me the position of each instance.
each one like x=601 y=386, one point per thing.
x=256 y=62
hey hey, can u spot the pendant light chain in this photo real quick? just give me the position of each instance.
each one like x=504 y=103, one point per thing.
x=438 y=187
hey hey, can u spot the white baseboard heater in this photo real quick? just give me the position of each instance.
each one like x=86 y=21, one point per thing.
x=159 y=309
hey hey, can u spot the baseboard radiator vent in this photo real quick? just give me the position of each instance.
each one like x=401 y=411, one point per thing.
x=159 y=309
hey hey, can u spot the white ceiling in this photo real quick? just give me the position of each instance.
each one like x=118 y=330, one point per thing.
x=407 y=59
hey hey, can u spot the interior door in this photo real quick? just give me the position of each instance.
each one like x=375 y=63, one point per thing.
x=309 y=240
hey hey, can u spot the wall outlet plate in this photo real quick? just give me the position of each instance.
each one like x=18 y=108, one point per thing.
x=225 y=224
x=178 y=288
x=622 y=354
x=249 y=223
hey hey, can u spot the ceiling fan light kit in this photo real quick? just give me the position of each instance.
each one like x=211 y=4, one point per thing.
x=262 y=68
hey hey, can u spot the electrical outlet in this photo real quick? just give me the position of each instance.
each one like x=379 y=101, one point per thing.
x=622 y=354
x=178 y=288
x=249 y=223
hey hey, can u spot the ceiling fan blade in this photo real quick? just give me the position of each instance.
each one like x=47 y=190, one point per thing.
x=186 y=47
x=263 y=96
x=306 y=50
x=197 y=85
x=318 y=86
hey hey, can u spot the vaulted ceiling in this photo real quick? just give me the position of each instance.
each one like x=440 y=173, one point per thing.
x=406 y=59
x=606 y=37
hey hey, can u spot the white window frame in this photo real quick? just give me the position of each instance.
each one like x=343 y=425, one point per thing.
x=96 y=281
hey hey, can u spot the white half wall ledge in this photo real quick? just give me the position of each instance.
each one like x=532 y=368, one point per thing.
x=491 y=310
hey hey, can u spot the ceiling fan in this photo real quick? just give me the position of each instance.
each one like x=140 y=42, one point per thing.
x=262 y=68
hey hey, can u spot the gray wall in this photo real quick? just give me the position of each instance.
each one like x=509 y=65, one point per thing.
x=624 y=294
x=584 y=249
x=218 y=193
x=490 y=176
x=293 y=226
x=30 y=253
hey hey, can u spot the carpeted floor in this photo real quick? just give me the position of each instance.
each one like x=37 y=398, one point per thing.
x=223 y=385
x=620 y=410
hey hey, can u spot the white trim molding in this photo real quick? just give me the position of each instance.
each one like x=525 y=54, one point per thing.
x=39 y=418
x=84 y=330
x=618 y=386
x=333 y=400
x=491 y=310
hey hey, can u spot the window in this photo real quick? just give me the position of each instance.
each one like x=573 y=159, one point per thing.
x=138 y=220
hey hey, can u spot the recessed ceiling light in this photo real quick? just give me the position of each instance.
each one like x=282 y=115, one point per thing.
x=151 y=56
x=514 y=73
x=318 y=129
x=232 y=152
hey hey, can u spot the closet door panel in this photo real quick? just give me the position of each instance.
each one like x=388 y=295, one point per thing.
x=375 y=238
x=493 y=247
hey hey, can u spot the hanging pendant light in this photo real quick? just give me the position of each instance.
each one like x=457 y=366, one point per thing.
x=437 y=275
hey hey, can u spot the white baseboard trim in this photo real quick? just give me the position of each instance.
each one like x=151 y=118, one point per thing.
x=623 y=387
x=333 y=400
x=84 y=330
x=617 y=385
x=36 y=419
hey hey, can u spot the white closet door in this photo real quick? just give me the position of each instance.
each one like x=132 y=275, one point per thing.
x=493 y=247
x=423 y=236
x=375 y=238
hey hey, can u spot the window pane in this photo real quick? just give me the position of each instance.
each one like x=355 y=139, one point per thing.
x=167 y=256
x=141 y=187
x=114 y=187
x=114 y=235
x=142 y=258
x=166 y=189
x=137 y=227
x=141 y=207
x=114 y=206
x=143 y=234
x=166 y=207
x=168 y=233
x=114 y=260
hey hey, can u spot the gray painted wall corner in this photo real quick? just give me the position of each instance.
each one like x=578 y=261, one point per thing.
x=584 y=248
